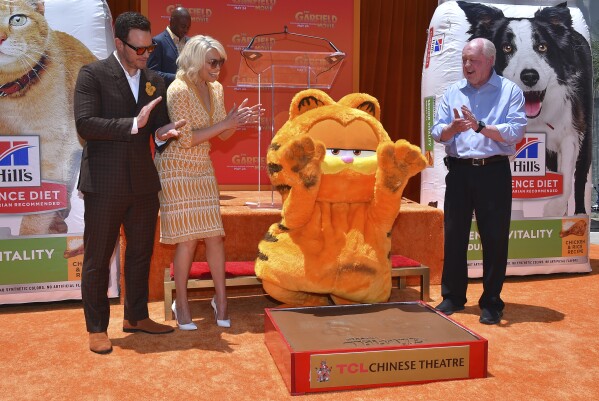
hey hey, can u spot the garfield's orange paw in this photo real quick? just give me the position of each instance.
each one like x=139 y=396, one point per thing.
x=398 y=162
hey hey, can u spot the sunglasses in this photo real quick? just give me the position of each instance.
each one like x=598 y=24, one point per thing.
x=142 y=49
x=213 y=63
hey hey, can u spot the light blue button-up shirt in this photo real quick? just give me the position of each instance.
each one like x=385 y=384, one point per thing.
x=499 y=102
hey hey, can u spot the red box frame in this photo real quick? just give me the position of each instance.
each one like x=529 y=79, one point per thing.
x=294 y=366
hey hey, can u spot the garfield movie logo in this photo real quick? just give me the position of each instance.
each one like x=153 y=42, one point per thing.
x=242 y=39
x=197 y=14
x=258 y=5
x=245 y=160
x=306 y=18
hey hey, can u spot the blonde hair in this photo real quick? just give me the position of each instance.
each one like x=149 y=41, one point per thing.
x=193 y=56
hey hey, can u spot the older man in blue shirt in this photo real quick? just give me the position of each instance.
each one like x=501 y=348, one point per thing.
x=480 y=119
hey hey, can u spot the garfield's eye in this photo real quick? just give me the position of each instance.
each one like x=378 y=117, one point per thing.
x=357 y=153
x=507 y=48
x=542 y=48
x=18 y=20
x=363 y=153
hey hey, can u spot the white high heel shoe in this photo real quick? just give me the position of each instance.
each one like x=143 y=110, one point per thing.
x=220 y=323
x=186 y=326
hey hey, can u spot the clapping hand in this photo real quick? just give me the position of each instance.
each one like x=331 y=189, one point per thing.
x=468 y=121
x=170 y=130
x=144 y=113
x=243 y=115
x=166 y=131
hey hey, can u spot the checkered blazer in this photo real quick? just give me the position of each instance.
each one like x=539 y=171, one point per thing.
x=114 y=161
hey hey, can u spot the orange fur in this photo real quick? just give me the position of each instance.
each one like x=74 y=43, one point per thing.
x=334 y=236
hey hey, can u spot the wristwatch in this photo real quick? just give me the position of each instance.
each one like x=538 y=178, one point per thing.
x=481 y=125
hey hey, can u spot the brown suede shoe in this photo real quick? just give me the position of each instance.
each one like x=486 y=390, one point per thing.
x=146 y=326
x=99 y=343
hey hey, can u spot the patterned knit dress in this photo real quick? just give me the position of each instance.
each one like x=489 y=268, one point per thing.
x=189 y=200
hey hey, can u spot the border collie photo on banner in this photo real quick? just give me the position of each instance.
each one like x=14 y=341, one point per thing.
x=545 y=50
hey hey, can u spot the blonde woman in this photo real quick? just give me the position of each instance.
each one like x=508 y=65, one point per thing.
x=189 y=200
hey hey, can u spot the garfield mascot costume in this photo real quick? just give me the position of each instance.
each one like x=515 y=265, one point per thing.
x=341 y=180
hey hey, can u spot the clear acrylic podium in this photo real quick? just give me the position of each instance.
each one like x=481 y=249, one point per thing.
x=278 y=75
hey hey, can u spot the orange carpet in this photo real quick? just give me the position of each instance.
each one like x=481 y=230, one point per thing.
x=546 y=348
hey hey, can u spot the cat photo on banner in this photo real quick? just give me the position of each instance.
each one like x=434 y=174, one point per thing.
x=43 y=45
x=39 y=148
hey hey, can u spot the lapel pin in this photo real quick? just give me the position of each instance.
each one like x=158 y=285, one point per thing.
x=150 y=89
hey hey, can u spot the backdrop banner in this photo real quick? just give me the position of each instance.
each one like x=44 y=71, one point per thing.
x=544 y=49
x=234 y=23
x=41 y=212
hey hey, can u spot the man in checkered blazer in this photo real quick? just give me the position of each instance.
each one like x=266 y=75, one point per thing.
x=119 y=108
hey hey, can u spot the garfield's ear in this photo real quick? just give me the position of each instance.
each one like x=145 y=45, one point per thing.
x=307 y=100
x=364 y=102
